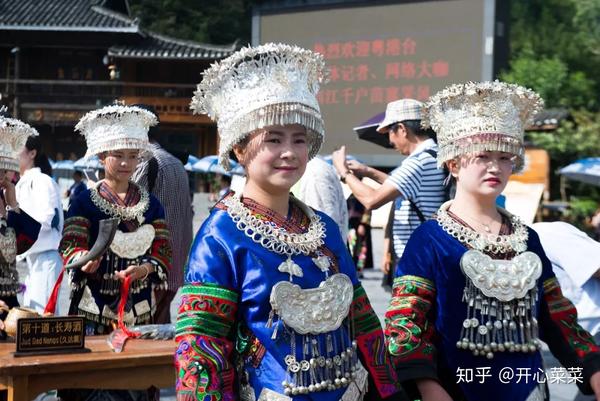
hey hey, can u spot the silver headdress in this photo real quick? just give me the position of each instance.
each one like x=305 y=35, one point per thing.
x=272 y=84
x=13 y=136
x=116 y=127
x=483 y=116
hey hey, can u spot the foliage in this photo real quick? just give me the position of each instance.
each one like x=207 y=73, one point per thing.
x=587 y=17
x=550 y=77
x=215 y=22
x=554 y=52
x=573 y=139
x=580 y=212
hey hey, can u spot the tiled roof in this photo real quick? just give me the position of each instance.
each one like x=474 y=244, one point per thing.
x=63 y=15
x=549 y=119
x=157 y=46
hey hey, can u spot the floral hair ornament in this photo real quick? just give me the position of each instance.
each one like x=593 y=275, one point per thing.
x=13 y=136
x=272 y=84
x=116 y=127
x=481 y=116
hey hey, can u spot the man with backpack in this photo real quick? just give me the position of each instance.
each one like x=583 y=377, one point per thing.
x=416 y=186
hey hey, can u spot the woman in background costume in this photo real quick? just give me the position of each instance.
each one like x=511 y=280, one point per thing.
x=140 y=249
x=18 y=231
x=271 y=296
x=474 y=289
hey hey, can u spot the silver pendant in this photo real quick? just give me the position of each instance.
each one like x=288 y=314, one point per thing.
x=322 y=263
x=290 y=267
x=504 y=280
x=313 y=310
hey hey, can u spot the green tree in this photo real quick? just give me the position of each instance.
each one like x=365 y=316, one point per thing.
x=205 y=21
x=555 y=50
x=550 y=77
x=587 y=17
x=574 y=139
x=553 y=53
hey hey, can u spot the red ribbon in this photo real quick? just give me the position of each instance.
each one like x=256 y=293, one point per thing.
x=51 y=305
x=124 y=295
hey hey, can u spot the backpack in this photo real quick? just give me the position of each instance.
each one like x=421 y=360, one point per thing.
x=449 y=188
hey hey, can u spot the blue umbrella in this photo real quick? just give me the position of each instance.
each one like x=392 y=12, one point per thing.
x=64 y=165
x=89 y=163
x=190 y=162
x=210 y=164
x=584 y=170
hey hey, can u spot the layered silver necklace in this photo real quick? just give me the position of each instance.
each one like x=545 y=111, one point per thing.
x=488 y=243
x=123 y=213
x=501 y=295
x=277 y=239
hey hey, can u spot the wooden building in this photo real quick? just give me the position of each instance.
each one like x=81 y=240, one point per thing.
x=62 y=58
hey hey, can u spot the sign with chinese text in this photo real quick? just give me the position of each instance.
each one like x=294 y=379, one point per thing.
x=50 y=335
x=378 y=53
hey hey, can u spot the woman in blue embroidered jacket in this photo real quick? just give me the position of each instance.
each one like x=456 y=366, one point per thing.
x=272 y=308
x=474 y=292
x=141 y=246
x=18 y=230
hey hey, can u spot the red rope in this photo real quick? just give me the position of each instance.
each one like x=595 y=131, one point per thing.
x=124 y=295
x=51 y=305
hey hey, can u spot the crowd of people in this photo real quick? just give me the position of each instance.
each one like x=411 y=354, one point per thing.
x=272 y=305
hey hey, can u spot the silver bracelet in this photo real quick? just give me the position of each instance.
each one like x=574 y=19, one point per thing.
x=145 y=266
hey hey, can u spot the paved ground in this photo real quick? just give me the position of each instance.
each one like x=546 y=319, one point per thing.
x=379 y=299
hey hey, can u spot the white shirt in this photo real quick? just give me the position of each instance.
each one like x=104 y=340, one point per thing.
x=39 y=196
x=320 y=189
x=575 y=258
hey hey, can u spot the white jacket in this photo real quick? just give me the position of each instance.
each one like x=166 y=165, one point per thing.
x=39 y=196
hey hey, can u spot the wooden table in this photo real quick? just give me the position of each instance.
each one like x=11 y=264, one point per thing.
x=142 y=364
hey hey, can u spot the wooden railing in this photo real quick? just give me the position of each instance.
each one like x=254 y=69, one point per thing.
x=98 y=89
x=171 y=101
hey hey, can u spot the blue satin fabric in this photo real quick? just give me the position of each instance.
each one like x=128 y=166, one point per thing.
x=433 y=254
x=224 y=255
x=24 y=225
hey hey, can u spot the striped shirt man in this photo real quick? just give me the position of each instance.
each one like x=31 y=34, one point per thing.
x=419 y=180
x=171 y=187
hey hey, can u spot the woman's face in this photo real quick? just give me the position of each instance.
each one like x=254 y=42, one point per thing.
x=482 y=174
x=119 y=165
x=26 y=159
x=275 y=157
